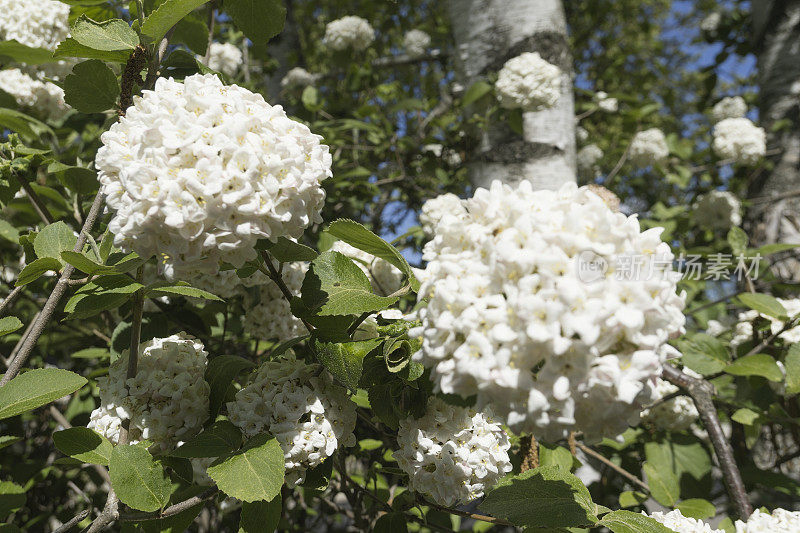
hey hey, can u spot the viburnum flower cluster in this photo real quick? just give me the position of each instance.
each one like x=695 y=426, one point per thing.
x=682 y=524
x=451 y=454
x=525 y=310
x=740 y=140
x=743 y=331
x=268 y=315
x=528 y=82
x=34 y=23
x=648 y=147
x=435 y=209
x=674 y=414
x=197 y=172
x=46 y=99
x=166 y=401
x=308 y=414
x=729 y=107
x=780 y=521
x=350 y=32
x=225 y=58
x=718 y=210
x=587 y=159
x=416 y=43
x=383 y=276
x=604 y=103
x=298 y=77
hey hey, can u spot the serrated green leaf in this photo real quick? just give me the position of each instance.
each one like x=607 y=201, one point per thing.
x=552 y=455
x=69 y=47
x=285 y=250
x=764 y=304
x=629 y=522
x=54 y=239
x=704 y=353
x=181 y=288
x=255 y=473
x=260 y=517
x=697 y=508
x=220 y=439
x=663 y=482
x=219 y=375
x=35 y=269
x=259 y=20
x=542 y=497
x=108 y=35
x=166 y=15
x=9 y=324
x=792 y=366
x=92 y=87
x=84 y=445
x=12 y=497
x=757 y=364
x=193 y=32
x=20 y=53
x=345 y=359
x=632 y=498
x=138 y=480
x=36 y=388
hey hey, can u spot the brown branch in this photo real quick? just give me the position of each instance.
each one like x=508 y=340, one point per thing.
x=72 y=522
x=702 y=393
x=8 y=300
x=55 y=297
x=37 y=203
x=131 y=77
x=466 y=514
x=172 y=509
x=529 y=450
x=610 y=464
x=275 y=276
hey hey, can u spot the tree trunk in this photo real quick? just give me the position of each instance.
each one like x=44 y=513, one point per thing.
x=487 y=34
x=777 y=28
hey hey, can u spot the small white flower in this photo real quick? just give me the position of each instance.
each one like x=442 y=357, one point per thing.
x=681 y=524
x=349 y=32
x=729 y=107
x=740 y=140
x=225 y=58
x=581 y=133
x=587 y=159
x=609 y=105
x=780 y=521
x=416 y=43
x=743 y=331
x=298 y=77
x=44 y=98
x=711 y=23
x=649 y=147
x=528 y=82
x=718 y=210
x=435 y=209
x=452 y=455
x=674 y=414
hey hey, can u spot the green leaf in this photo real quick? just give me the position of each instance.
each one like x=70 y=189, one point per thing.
x=552 y=455
x=181 y=288
x=36 y=388
x=109 y=35
x=757 y=364
x=84 y=264
x=630 y=522
x=106 y=292
x=357 y=235
x=69 y=47
x=632 y=498
x=220 y=439
x=334 y=285
x=542 y=497
x=792 y=365
x=286 y=250
x=764 y=304
x=36 y=268
x=20 y=53
x=166 y=15
x=769 y=249
x=345 y=359
x=12 y=497
x=84 y=445
x=260 y=517
x=259 y=20
x=219 y=375
x=22 y=123
x=697 y=508
x=9 y=232
x=663 y=482
x=745 y=416
x=9 y=324
x=77 y=179
x=704 y=353
x=737 y=238
x=310 y=98
x=54 y=239
x=475 y=92
x=391 y=523
x=194 y=33
x=91 y=353
x=139 y=481
x=8 y=440
x=92 y=87
x=255 y=473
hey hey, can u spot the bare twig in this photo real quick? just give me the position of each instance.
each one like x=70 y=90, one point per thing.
x=72 y=522
x=8 y=300
x=702 y=393
x=37 y=203
x=610 y=464
x=276 y=277
x=467 y=514
x=172 y=509
x=54 y=298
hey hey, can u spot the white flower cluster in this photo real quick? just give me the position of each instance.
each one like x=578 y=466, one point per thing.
x=740 y=140
x=587 y=159
x=729 y=107
x=743 y=331
x=225 y=58
x=604 y=103
x=780 y=521
x=682 y=524
x=34 y=23
x=718 y=210
x=225 y=283
x=525 y=311
x=268 y=315
x=416 y=42
x=528 y=82
x=581 y=133
x=435 y=209
x=166 y=401
x=349 y=32
x=451 y=454
x=197 y=172
x=450 y=157
x=45 y=98
x=309 y=415
x=298 y=77
x=383 y=276
x=649 y=147
x=675 y=414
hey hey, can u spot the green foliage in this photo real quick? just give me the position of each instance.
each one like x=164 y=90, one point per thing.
x=108 y=36
x=252 y=474
x=84 y=445
x=92 y=87
x=220 y=374
x=9 y=324
x=219 y=439
x=35 y=388
x=345 y=360
x=139 y=480
x=259 y=20
x=14 y=51
x=260 y=516
x=166 y=15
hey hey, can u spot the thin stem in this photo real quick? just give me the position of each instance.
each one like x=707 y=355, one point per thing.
x=133 y=353
x=72 y=522
x=172 y=509
x=12 y=296
x=212 y=12
x=610 y=464
x=37 y=203
x=55 y=297
x=467 y=514
x=276 y=277
x=702 y=392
